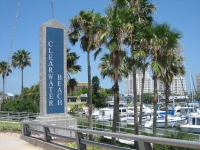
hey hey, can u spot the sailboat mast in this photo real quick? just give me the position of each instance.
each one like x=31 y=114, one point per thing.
x=191 y=90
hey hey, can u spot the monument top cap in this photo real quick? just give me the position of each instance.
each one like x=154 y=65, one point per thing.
x=54 y=24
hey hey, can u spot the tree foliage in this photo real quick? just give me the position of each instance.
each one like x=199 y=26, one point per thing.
x=4 y=71
x=19 y=105
x=21 y=59
x=98 y=94
x=72 y=68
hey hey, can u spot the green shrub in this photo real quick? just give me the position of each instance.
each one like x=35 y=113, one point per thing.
x=15 y=126
x=18 y=105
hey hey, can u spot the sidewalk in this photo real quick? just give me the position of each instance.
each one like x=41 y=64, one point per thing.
x=12 y=141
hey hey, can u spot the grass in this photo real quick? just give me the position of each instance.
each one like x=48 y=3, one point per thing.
x=14 y=126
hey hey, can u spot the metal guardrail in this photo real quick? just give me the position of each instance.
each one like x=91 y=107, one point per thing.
x=13 y=117
x=106 y=126
x=143 y=141
x=18 y=116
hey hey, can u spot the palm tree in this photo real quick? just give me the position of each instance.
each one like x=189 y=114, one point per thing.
x=160 y=43
x=4 y=71
x=114 y=34
x=171 y=66
x=72 y=68
x=85 y=27
x=138 y=16
x=111 y=65
x=21 y=59
x=106 y=69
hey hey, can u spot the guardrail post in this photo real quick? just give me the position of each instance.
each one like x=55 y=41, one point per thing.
x=47 y=138
x=25 y=129
x=144 y=145
x=79 y=136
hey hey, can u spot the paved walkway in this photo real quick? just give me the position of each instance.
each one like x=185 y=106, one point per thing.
x=12 y=141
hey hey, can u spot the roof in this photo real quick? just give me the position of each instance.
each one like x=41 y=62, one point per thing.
x=9 y=94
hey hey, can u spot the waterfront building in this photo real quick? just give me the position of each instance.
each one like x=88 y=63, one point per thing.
x=76 y=102
x=78 y=87
x=139 y=76
x=198 y=83
x=178 y=86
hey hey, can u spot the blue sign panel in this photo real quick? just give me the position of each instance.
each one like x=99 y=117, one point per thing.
x=55 y=70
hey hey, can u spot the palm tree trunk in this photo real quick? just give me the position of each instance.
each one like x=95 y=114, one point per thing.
x=90 y=96
x=155 y=101
x=3 y=88
x=141 y=104
x=22 y=85
x=166 y=104
x=115 y=88
x=135 y=106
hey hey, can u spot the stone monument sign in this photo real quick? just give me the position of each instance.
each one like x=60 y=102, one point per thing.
x=53 y=75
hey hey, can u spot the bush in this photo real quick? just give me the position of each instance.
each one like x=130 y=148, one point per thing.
x=18 y=105
x=15 y=126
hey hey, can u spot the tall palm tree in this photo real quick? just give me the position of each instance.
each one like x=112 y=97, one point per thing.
x=111 y=66
x=21 y=59
x=160 y=43
x=171 y=67
x=4 y=71
x=114 y=35
x=72 y=68
x=138 y=16
x=85 y=27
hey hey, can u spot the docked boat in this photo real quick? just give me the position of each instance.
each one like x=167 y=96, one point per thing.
x=130 y=120
x=106 y=114
x=193 y=124
x=172 y=121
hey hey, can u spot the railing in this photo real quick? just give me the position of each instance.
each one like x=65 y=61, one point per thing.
x=18 y=116
x=106 y=126
x=13 y=117
x=144 y=142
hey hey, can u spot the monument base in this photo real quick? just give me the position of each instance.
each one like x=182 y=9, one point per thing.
x=62 y=121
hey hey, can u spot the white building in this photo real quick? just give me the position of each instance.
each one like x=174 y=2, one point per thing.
x=178 y=86
x=147 y=83
x=198 y=83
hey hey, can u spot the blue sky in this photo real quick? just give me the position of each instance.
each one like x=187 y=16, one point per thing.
x=182 y=15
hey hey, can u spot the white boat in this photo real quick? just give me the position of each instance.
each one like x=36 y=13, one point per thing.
x=94 y=114
x=185 y=111
x=130 y=120
x=172 y=121
x=193 y=124
x=106 y=114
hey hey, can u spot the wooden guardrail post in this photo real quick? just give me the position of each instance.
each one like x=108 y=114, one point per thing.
x=79 y=136
x=47 y=138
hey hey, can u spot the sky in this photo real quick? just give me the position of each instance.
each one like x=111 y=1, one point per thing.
x=182 y=15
